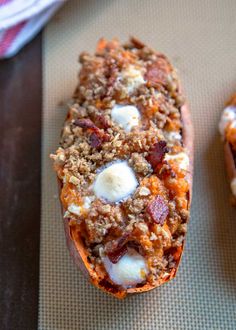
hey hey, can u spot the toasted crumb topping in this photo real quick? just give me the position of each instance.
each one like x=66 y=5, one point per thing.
x=152 y=220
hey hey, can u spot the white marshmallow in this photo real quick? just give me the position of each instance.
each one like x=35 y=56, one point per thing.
x=182 y=158
x=144 y=191
x=132 y=78
x=66 y=214
x=75 y=209
x=233 y=186
x=115 y=182
x=130 y=270
x=125 y=115
x=87 y=201
x=173 y=136
x=233 y=124
x=228 y=115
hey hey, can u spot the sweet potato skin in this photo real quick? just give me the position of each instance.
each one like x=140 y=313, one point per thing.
x=188 y=142
x=78 y=251
x=229 y=161
x=228 y=155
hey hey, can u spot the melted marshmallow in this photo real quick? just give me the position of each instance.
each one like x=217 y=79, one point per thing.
x=115 y=182
x=228 y=115
x=125 y=115
x=132 y=78
x=181 y=158
x=87 y=201
x=130 y=270
x=75 y=209
x=172 y=137
x=232 y=124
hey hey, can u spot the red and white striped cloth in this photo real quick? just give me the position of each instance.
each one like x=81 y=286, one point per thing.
x=21 y=20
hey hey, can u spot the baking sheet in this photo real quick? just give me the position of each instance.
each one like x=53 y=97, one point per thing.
x=199 y=38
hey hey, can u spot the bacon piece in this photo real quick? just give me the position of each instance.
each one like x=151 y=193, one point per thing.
x=157 y=72
x=157 y=153
x=85 y=123
x=97 y=138
x=115 y=255
x=158 y=210
x=102 y=122
x=116 y=249
x=137 y=43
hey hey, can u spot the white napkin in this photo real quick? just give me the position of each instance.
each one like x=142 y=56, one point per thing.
x=21 y=20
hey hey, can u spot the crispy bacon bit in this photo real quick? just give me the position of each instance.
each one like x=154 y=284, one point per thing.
x=115 y=256
x=116 y=249
x=85 y=123
x=102 y=122
x=137 y=43
x=97 y=138
x=106 y=137
x=158 y=210
x=157 y=72
x=157 y=153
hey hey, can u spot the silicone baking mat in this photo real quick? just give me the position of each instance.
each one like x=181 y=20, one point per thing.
x=199 y=37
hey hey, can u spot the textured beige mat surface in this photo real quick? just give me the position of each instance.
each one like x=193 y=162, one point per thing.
x=199 y=37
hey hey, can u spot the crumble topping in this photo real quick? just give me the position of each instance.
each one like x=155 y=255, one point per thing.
x=144 y=132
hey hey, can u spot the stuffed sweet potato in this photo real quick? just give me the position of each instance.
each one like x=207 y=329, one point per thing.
x=124 y=168
x=227 y=128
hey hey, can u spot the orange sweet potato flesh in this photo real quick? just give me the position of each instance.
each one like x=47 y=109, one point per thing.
x=78 y=250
